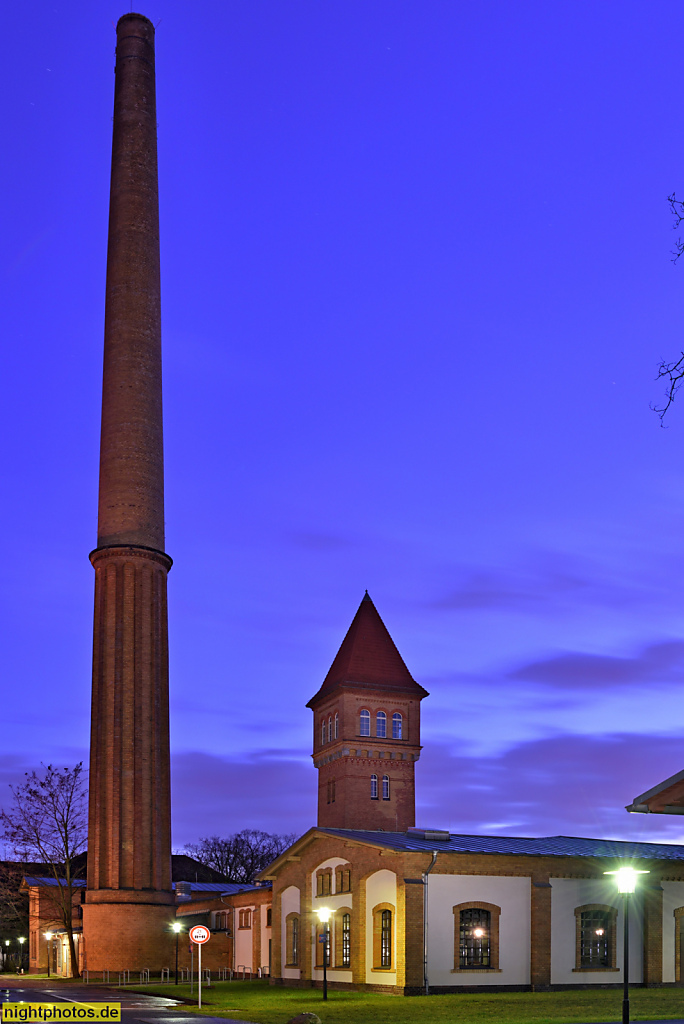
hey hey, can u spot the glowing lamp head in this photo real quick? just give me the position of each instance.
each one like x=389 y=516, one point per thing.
x=626 y=878
x=7 y=942
x=22 y=939
x=48 y=935
x=478 y=933
x=176 y=927
x=324 y=914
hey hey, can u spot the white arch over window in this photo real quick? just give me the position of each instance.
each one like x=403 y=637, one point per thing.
x=381 y=725
x=397 y=726
x=364 y=724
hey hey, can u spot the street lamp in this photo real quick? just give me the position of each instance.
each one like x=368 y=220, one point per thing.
x=176 y=927
x=626 y=879
x=324 y=916
x=22 y=940
x=48 y=937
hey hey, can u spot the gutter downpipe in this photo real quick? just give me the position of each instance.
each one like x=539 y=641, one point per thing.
x=425 y=922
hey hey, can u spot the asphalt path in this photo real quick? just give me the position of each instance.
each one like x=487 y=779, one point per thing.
x=136 y=1008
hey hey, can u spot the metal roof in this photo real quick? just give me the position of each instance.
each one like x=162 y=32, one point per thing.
x=37 y=880
x=549 y=846
x=224 y=888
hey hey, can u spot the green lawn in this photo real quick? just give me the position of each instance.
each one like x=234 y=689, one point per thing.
x=261 y=1003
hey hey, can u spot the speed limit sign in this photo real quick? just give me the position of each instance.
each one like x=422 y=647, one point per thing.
x=199 y=934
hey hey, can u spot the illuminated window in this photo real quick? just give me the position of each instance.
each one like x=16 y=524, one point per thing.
x=346 y=940
x=475 y=935
x=595 y=937
x=385 y=787
x=374 y=787
x=397 y=724
x=365 y=723
x=381 y=725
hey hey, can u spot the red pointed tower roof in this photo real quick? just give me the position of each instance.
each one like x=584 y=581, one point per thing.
x=368 y=657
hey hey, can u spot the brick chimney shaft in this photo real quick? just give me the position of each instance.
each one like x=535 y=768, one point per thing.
x=129 y=900
x=131 y=507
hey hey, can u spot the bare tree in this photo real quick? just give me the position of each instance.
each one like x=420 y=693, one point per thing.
x=672 y=372
x=48 y=822
x=241 y=856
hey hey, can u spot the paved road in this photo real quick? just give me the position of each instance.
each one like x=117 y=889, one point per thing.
x=135 y=1007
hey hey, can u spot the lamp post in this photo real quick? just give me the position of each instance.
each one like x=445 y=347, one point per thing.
x=626 y=879
x=324 y=917
x=48 y=938
x=22 y=940
x=176 y=927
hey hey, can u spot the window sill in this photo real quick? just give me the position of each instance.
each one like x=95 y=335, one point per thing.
x=476 y=970
x=383 y=970
x=596 y=970
x=339 y=968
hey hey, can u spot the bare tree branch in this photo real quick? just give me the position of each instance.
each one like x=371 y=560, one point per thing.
x=48 y=822
x=674 y=374
x=241 y=856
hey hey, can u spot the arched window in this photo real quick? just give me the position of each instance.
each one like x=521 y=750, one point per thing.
x=383 y=939
x=374 y=787
x=323 y=732
x=381 y=725
x=397 y=724
x=385 y=787
x=337 y=725
x=346 y=940
x=475 y=938
x=364 y=725
x=292 y=940
x=330 y=730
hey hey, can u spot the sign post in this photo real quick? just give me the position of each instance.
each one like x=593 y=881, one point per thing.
x=199 y=935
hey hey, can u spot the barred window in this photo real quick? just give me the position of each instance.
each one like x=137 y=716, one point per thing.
x=596 y=936
x=386 y=939
x=346 y=940
x=385 y=787
x=374 y=787
x=381 y=725
x=475 y=936
x=397 y=724
x=364 y=725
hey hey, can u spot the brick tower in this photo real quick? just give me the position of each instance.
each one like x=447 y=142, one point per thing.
x=129 y=902
x=367 y=731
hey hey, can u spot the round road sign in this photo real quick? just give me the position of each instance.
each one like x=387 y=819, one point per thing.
x=199 y=934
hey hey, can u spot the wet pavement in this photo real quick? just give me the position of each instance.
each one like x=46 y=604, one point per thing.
x=135 y=1007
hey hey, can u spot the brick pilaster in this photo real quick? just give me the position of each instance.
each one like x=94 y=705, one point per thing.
x=540 y=945
x=653 y=933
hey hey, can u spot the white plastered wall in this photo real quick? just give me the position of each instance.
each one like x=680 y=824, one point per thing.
x=673 y=897
x=566 y=895
x=243 y=941
x=333 y=902
x=381 y=887
x=512 y=895
x=289 y=904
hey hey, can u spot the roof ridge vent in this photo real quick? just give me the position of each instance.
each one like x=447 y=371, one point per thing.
x=438 y=835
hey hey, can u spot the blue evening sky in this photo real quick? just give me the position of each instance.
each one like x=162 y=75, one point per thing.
x=416 y=287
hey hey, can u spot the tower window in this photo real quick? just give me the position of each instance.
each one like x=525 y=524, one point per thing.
x=385 y=787
x=374 y=787
x=337 y=725
x=381 y=724
x=329 y=730
x=397 y=724
x=364 y=724
x=323 y=733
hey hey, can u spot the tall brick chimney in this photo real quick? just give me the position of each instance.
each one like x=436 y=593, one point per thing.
x=129 y=901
